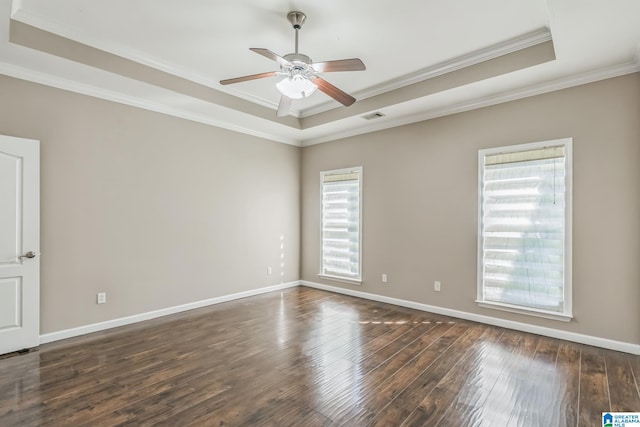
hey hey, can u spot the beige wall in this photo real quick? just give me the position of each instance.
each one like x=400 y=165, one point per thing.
x=154 y=210
x=420 y=202
x=159 y=211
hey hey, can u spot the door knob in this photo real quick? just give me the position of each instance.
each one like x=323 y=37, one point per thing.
x=29 y=254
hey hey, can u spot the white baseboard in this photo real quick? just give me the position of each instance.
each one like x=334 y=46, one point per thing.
x=509 y=324
x=101 y=326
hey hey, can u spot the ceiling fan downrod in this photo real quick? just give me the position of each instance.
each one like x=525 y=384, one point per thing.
x=299 y=75
x=296 y=19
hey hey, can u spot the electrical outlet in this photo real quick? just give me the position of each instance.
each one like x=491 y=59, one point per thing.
x=436 y=286
x=102 y=298
x=269 y=270
x=384 y=278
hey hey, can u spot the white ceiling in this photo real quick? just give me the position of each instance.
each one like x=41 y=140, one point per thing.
x=437 y=46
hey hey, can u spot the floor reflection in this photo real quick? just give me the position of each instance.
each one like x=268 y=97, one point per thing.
x=20 y=399
x=308 y=357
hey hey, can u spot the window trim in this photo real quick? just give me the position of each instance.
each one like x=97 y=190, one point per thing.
x=353 y=280
x=567 y=314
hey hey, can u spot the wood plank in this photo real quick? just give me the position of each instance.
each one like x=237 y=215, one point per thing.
x=347 y=405
x=594 y=393
x=539 y=389
x=469 y=405
x=564 y=412
x=622 y=385
x=419 y=377
x=379 y=357
x=634 y=361
x=308 y=357
x=504 y=395
x=462 y=380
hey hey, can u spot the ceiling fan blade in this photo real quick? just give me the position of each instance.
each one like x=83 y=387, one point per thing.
x=337 y=94
x=246 y=78
x=354 y=64
x=284 y=106
x=272 y=56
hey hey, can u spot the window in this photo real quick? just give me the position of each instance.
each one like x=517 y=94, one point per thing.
x=340 y=224
x=524 y=232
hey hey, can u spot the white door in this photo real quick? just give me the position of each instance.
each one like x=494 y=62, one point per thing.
x=19 y=244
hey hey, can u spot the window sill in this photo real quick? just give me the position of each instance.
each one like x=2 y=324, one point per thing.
x=526 y=311
x=341 y=279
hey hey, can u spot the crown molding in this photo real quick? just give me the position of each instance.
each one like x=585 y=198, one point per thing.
x=385 y=123
x=527 y=40
x=524 y=41
x=54 y=27
x=47 y=24
x=109 y=95
x=259 y=100
x=487 y=101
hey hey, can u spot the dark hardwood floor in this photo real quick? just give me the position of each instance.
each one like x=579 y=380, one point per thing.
x=305 y=357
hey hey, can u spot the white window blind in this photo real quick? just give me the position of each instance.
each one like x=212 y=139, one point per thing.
x=340 y=223
x=523 y=239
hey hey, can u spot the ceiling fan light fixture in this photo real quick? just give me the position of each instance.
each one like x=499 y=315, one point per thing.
x=296 y=86
x=299 y=75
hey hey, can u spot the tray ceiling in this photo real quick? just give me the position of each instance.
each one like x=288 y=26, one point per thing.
x=424 y=58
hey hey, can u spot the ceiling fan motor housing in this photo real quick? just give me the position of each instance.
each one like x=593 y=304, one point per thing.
x=301 y=66
x=297 y=57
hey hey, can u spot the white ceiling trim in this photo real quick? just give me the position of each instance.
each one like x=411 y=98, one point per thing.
x=491 y=52
x=198 y=110
x=487 y=101
x=22 y=73
x=90 y=90
x=47 y=24
x=109 y=95
x=64 y=30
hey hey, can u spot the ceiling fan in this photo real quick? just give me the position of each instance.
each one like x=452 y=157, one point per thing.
x=299 y=76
